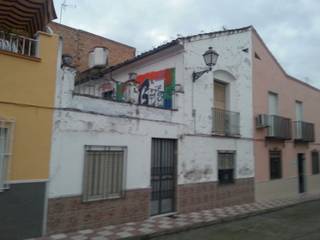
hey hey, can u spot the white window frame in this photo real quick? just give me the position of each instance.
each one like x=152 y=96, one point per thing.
x=5 y=151
x=104 y=192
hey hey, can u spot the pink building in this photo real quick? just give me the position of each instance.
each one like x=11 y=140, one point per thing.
x=287 y=135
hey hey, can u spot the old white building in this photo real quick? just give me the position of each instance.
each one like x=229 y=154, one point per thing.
x=158 y=143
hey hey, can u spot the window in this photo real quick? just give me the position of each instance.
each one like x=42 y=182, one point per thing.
x=6 y=131
x=275 y=164
x=226 y=162
x=315 y=162
x=104 y=170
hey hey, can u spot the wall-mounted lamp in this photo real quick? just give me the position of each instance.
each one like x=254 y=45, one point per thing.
x=210 y=57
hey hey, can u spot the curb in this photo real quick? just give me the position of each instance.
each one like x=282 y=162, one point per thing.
x=216 y=222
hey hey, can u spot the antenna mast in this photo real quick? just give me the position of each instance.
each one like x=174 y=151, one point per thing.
x=64 y=5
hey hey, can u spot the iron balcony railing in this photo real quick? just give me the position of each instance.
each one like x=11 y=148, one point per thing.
x=225 y=122
x=304 y=131
x=277 y=127
x=18 y=44
x=150 y=97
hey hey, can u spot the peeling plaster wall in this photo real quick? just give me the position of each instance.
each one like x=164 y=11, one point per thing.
x=232 y=60
x=88 y=121
x=198 y=154
x=74 y=130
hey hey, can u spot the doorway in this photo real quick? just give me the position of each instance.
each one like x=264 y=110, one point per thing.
x=163 y=175
x=301 y=175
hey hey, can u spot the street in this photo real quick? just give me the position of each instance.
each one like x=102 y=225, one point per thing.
x=301 y=222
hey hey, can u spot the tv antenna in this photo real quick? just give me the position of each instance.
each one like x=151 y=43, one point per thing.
x=63 y=7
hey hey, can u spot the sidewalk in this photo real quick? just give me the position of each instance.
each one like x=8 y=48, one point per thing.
x=162 y=225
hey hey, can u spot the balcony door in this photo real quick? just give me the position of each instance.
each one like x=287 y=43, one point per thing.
x=220 y=118
x=299 y=118
x=273 y=103
x=220 y=95
x=273 y=109
x=299 y=111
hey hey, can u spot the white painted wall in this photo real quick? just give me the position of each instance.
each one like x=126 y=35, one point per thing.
x=87 y=121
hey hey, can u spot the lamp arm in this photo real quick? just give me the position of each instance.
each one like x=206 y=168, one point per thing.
x=197 y=75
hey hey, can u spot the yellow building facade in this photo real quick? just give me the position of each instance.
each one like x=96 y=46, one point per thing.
x=27 y=89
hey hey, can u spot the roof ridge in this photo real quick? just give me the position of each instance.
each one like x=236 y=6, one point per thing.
x=233 y=30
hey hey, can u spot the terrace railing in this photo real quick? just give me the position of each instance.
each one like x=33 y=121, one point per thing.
x=225 y=122
x=149 y=97
x=279 y=127
x=304 y=131
x=18 y=44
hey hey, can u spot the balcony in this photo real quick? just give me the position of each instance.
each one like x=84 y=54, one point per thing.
x=17 y=44
x=225 y=123
x=277 y=127
x=303 y=131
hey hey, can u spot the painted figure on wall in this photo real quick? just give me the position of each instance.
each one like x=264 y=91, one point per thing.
x=157 y=88
x=152 y=89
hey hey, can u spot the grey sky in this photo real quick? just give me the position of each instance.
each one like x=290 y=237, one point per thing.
x=291 y=29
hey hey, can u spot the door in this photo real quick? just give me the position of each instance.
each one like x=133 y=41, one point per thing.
x=163 y=176
x=301 y=172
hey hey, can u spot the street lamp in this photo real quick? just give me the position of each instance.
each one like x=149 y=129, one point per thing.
x=210 y=58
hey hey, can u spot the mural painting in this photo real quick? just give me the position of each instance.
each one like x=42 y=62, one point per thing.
x=152 y=89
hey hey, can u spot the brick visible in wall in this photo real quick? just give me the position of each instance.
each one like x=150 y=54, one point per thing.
x=78 y=44
x=71 y=214
x=208 y=195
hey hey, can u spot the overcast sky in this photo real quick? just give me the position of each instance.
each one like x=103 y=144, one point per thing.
x=291 y=29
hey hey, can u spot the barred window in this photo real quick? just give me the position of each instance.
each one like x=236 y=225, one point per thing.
x=275 y=164
x=226 y=165
x=315 y=162
x=6 y=135
x=104 y=172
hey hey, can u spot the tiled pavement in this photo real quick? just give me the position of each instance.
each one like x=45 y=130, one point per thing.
x=165 y=224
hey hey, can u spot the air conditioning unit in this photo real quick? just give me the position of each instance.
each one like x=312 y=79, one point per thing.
x=262 y=121
x=98 y=57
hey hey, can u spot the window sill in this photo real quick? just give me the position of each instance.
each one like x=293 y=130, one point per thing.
x=103 y=199
x=275 y=179
x=224 y=135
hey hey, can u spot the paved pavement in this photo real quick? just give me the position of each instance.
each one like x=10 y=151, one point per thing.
x=301 y=222
x=157 y=226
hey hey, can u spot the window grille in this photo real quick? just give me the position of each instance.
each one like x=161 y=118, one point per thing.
x=6 y=137
x=104 y=172
x=226 y=165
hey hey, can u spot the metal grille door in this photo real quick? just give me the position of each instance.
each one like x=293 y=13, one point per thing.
x=163 y=175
